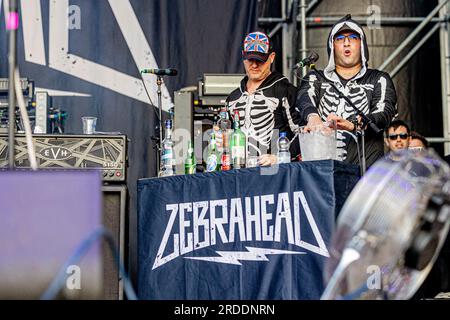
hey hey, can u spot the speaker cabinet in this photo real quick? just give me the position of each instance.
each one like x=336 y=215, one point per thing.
x=114 y=219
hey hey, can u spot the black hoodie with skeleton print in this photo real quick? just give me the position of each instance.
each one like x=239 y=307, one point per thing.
x=371 y=91
x=266 y=112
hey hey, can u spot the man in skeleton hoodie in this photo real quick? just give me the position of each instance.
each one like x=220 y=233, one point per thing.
x=371 y=91
x=265 y=101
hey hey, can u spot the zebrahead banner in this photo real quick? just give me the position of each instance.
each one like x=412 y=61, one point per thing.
x=241 y=234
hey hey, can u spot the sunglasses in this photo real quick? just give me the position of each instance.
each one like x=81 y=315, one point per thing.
x=402 y=136
x=351 y=37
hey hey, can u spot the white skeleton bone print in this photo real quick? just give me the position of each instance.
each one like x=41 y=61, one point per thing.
x=256 y=114
x=371 y=91
x=331 y=103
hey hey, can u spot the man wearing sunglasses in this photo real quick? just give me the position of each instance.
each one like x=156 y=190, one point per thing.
x=370 y=90
x=398 y=136
x=265 y=101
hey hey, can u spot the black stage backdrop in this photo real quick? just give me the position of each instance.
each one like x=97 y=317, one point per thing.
x=92 y=52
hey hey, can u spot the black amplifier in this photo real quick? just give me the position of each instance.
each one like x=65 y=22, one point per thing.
x=96 y=152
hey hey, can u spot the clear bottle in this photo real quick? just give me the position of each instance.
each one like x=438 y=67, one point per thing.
x=213 y=161
x=217 y=135
x=238 y=144
x=284 y=156
x=167 y=158
x=224 y=118
x=190 y=163
x=223 y=127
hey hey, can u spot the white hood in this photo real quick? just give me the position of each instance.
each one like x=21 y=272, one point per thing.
x=329 y=71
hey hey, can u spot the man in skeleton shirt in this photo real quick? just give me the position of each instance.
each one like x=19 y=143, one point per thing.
x=370 y=90
x=265 y=101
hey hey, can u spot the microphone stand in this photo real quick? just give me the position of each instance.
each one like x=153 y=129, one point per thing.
x=362 y=154
x=157 y=137
x=365 y=121
x=159 y=129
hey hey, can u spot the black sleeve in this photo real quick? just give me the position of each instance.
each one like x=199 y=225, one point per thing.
x=383 y=106
x=293 y=118
x=293 y=115
x=308 y=97
x=287 y=117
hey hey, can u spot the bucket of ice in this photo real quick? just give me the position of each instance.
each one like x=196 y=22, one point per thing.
x=318 y=142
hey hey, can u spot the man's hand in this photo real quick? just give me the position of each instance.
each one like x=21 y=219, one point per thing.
x=313 y=120
x=267 y=160
x=341 y=123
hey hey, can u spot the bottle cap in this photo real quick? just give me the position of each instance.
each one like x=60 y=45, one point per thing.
x=282 y=134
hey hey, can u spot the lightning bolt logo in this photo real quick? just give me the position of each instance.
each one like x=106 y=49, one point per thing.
x=253 y=254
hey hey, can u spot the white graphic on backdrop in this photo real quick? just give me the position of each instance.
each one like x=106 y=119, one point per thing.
x=33 y=34
x=62 y=60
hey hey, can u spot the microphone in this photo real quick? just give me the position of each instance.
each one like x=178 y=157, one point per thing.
x=161 y=72
x=313 y=57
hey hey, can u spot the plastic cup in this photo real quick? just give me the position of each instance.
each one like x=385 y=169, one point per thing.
x=89 y=124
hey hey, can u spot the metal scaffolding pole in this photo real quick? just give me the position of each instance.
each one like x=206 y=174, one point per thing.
x=311 y=6
x=412 y=35
x=444 y=35
x=294 y=14
x=329 y=21
x=437 y=140
x=413 y=51
x=275 y=29
x=271 y=20
x=287 y=34
x=303 y=49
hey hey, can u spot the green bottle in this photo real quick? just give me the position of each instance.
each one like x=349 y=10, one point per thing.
x=238 y=144
x=190 y=163
x=213 y=161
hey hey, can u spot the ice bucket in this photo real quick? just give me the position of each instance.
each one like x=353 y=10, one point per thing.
x=318 y=142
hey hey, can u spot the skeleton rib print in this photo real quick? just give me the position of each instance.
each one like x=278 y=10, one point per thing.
x=256 y=117
x=331 y=103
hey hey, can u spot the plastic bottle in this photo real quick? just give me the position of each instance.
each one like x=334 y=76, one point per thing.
x=167 y=159
x=284 y=156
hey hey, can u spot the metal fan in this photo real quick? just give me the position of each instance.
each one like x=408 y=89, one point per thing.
x=390 y=229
